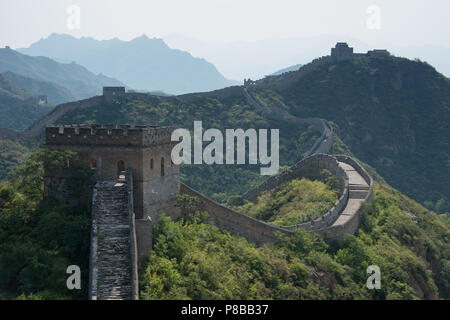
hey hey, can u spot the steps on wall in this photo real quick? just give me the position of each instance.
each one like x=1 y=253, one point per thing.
x=113 y=261
x=358 y=190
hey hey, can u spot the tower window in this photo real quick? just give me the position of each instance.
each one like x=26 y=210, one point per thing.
x=151 y=163
x=162 y=167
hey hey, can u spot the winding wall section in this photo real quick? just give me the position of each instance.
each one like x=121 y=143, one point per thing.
x=355 y=184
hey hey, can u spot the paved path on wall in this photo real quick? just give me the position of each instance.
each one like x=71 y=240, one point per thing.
x=358 y=190
x=113 y=262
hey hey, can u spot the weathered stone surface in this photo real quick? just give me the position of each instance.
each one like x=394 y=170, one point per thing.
x=113 y=261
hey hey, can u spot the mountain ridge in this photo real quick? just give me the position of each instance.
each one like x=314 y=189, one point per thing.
x=79 y=80
x=56 y=94
x=144 y=63
x=406 y=102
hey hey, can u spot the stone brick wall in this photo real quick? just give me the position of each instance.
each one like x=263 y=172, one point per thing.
x=260 y=232
x=309 y=167
x=143 y=239
x=37 y=127
x=227 y=219
x=147 y=150
x=133 y=238
x=350 y=227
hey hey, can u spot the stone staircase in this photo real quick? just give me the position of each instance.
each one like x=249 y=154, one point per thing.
x=112 y=262
x=358 y=190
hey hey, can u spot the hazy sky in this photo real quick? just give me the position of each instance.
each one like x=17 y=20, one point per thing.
x=401 y=22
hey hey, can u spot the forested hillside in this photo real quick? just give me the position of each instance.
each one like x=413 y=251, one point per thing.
x=229 y=111
x=393 y=113
x=17 y=108
x=194 y=260
x=56 y=94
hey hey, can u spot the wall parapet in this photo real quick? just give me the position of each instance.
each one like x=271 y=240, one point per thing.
x=133 y=241
x=93 y=263
x=338 y=231
x=306 y=167
x=123 y=135
x=261 y=232
x=310 y=167
x=226 y=218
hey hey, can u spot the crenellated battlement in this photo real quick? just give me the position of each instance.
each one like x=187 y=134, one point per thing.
x=111 y=135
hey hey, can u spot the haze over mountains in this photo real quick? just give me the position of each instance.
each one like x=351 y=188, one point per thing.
x=256 y=59
x=79 y=83
x=142 y=63
x=400 y=89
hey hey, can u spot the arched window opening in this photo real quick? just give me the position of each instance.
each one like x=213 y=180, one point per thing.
x=93 y=164
x=151 y=163
x=162 y=167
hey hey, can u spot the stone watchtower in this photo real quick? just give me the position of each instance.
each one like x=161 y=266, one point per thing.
x=111 y=93
x=342 y=52
x=136 y=182
x=109 y=151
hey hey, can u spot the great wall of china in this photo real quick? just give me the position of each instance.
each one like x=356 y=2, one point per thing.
x=107 y=282
x=121 y=239
x=343 y=218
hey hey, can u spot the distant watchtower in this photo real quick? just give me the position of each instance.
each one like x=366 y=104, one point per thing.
x=110 y=150
x=113 y=92
x=342 y=52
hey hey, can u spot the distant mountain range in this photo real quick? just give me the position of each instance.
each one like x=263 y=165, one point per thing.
x=79 y=83
x=142 y=63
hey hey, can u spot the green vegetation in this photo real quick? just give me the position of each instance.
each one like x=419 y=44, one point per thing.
x=217 y=181
x=294 y=202
x=16 y=111
x=194 y=260
x=392 y=113
x=56 y=94
x=12 y=153
x=39 y=240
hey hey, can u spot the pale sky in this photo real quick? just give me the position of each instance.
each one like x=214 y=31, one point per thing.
x=410 y=22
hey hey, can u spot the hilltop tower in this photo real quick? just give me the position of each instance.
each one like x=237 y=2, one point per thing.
x=109 y=151
x=111 y=93
x=342 y=52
